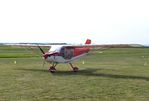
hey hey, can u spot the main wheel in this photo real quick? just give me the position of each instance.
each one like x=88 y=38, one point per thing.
x=52 y=69
x=75 y=69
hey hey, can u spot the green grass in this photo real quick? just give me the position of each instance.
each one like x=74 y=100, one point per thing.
x=118 y=74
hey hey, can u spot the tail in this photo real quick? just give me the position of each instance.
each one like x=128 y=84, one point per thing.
x=88 y=41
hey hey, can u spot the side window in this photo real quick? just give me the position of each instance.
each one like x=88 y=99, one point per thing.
x=62 y=51
x=68 y=53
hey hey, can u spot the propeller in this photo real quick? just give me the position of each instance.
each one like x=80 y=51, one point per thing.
x=43 y=63
x=41 y=50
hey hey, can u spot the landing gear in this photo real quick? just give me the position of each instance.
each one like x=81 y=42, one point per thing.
x=52 y=68
x=75 y=69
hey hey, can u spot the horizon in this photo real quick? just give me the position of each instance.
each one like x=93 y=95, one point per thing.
x=47 y=43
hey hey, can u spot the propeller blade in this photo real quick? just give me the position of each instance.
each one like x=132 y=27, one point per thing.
x=41 y=50
x=43 y=63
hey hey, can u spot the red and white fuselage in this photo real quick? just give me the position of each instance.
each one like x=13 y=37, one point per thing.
x=65 y=54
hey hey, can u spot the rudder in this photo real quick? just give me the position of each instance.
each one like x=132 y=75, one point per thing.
x=88 y=41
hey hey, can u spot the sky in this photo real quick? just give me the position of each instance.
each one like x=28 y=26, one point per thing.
x=73 y=21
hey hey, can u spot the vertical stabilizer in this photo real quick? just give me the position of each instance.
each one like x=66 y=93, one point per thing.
x=88 y=41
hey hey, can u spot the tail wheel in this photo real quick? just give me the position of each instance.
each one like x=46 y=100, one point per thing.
x=75 y=69
x=52 y=69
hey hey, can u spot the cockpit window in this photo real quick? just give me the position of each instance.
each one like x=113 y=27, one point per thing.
x=66 y=52
x=55 y=48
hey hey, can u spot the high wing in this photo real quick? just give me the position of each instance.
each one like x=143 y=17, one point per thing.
x=89 y=45
x=26 y=44
x=55 y=46
x=94 y=46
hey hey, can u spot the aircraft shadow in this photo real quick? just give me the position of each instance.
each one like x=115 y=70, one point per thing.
x=34 y=70
x=90 y=72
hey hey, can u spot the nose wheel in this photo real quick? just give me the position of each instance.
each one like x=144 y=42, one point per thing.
x=75 y=69
x=52 y=68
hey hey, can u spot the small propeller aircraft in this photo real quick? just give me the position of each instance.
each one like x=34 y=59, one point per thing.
x=65 y=54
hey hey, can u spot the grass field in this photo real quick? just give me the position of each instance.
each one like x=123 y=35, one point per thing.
x=117 y=74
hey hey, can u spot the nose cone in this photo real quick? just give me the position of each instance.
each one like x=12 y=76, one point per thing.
x=45 y=56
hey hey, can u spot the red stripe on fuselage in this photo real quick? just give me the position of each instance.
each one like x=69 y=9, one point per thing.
x=80 y=51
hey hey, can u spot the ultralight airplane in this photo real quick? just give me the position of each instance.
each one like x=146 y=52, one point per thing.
x=65 y=54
